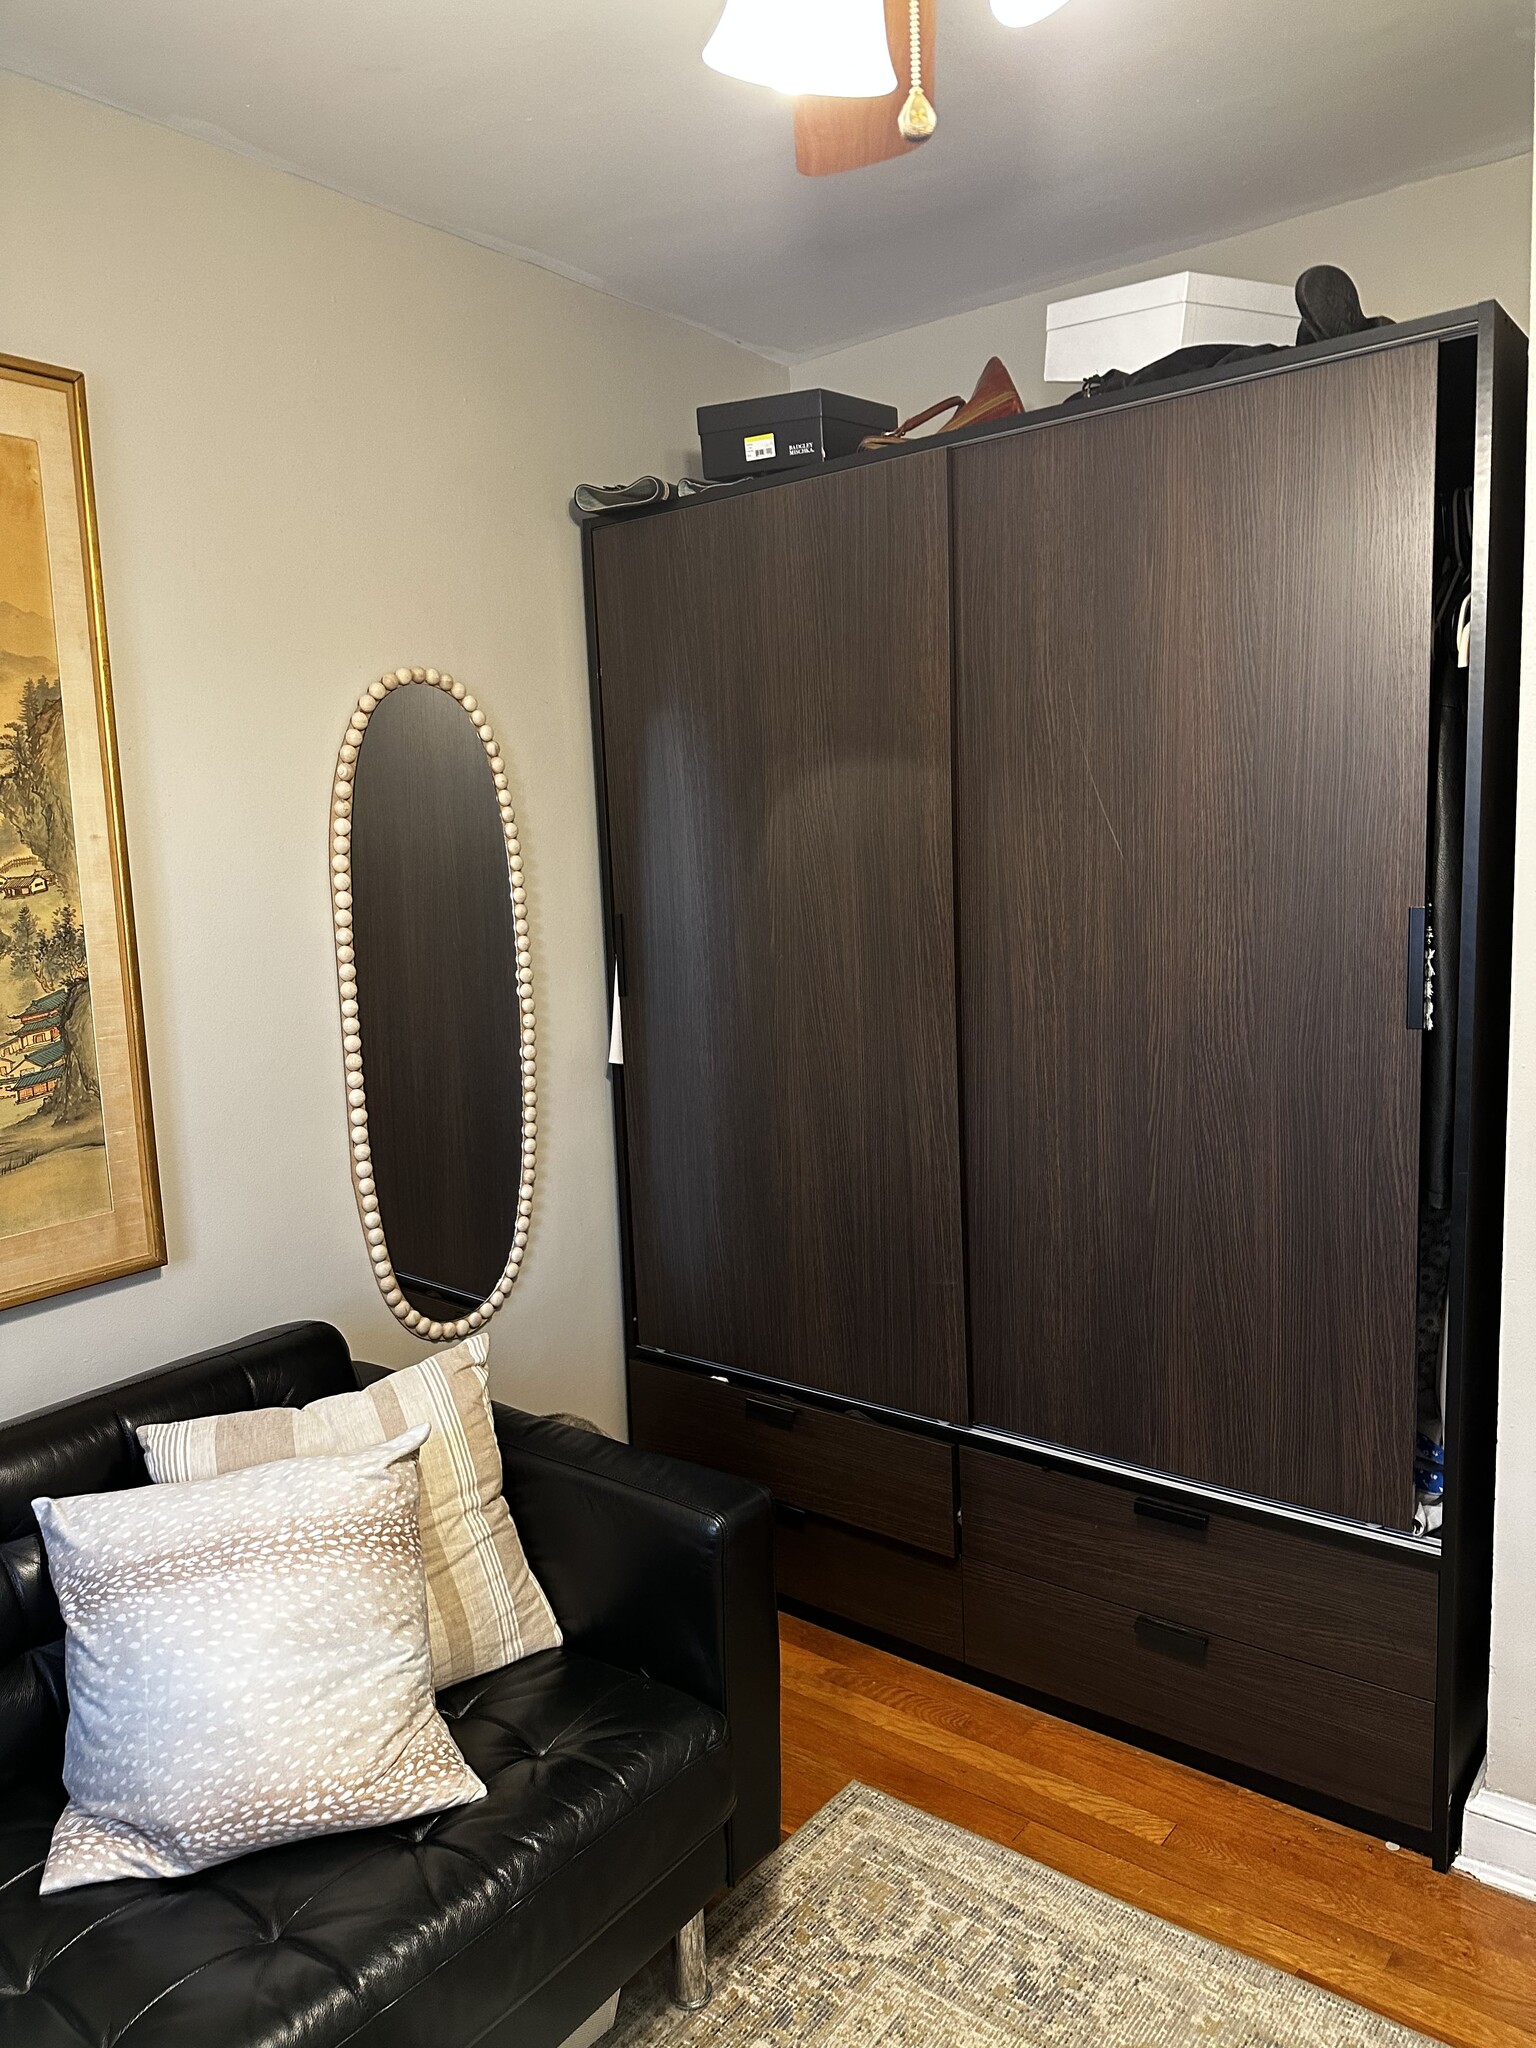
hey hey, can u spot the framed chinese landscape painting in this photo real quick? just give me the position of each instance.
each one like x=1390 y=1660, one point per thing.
x=79 y=1192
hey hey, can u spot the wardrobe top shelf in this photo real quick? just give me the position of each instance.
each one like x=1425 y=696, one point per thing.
x=1465 y=322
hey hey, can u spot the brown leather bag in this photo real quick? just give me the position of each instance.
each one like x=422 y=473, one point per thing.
x=994 y=398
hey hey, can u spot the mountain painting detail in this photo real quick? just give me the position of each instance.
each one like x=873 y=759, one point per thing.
x=79 y=1181
x=53 y=1155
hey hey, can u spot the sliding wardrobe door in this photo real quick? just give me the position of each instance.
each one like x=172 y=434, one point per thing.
x=776 y=734
x=1193 y=643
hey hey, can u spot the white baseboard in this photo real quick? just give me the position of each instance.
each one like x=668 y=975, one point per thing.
x=1498 y=1840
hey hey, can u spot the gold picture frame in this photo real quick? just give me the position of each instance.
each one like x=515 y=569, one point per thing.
x=79 y=1184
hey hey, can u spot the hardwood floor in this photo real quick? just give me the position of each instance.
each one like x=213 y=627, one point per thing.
x=1440 y=1953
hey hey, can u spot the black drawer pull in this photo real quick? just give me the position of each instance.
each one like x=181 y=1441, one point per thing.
x=781 y=1414
x=1194 y=1520
x=791 y=1517
x=1172 y=1639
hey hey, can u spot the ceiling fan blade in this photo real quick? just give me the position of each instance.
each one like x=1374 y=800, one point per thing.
x=844 y=135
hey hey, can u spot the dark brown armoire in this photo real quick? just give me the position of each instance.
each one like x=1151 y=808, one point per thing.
x=1058 y=889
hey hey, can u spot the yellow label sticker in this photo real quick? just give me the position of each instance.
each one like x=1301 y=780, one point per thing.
x=760 y=447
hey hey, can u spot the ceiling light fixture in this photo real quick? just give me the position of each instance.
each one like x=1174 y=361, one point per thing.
x=835 y=49
x=837 y=59
x=1023 y=13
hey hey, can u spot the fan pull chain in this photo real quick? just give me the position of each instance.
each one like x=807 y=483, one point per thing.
x=917 y=120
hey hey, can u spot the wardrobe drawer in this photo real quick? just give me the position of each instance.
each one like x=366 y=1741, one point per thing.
x=888 y=1481
x=1317 y=1599
x=909 y=1594
x=1356 y=1743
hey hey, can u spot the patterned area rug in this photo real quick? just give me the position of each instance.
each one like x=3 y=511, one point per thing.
x=877 y=1926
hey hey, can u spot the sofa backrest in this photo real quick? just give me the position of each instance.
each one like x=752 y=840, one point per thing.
x=89 y=1446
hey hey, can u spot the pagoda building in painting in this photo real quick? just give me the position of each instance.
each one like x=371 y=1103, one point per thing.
x=32 y=1053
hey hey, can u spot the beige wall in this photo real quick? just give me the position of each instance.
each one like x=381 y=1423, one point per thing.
x=326 y=442
x=1420 y=249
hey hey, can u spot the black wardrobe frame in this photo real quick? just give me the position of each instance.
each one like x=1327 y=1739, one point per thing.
x=1465 y=1558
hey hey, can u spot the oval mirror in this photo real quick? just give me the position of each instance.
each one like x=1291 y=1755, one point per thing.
x=436 y=988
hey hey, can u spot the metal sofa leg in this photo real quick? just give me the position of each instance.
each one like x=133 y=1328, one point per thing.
x=691 y=1978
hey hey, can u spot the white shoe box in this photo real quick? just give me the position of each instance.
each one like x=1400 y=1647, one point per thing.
x=1136 y=324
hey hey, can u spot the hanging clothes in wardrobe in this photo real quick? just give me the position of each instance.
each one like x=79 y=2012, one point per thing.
x=1448 y=753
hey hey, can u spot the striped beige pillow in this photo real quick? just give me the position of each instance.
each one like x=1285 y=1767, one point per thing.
x=485 y=1608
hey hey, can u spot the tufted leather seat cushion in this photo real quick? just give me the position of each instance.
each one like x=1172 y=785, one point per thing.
x=310 y=1944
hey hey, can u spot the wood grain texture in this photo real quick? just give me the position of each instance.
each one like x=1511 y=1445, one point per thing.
x=1435 y=1952
x=775 y=699
x=882 y=1586
x=1360 y=1744
x=437 y=995
x=889 y=1481
x=1192 y=698
x=848 y=135
x=1366 y=1612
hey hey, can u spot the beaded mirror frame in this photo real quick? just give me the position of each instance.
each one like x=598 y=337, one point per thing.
x=351 y=1024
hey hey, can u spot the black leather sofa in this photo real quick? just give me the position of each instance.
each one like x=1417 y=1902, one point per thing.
x=631 y=1774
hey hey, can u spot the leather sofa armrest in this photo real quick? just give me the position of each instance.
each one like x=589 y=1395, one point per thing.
x=666 y=1569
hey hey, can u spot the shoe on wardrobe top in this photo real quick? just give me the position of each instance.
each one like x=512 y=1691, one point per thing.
x=1329 y=305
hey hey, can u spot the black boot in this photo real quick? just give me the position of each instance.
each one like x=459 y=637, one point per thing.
x=1329 y=305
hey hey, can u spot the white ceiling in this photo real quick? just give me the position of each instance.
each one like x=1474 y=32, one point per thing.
x=588 y=135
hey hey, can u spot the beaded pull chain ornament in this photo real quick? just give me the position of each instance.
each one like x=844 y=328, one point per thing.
x=917 y=119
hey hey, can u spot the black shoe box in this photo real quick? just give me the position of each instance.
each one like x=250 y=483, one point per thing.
x=789 y=430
